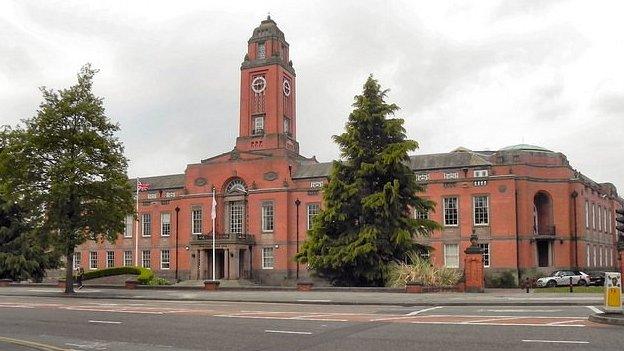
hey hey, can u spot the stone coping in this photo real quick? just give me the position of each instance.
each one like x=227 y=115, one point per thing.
x=608 y=318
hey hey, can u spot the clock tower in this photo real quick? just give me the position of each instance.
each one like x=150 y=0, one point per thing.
x=267 y=106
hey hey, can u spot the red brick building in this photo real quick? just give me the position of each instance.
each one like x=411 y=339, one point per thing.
x=528 y=206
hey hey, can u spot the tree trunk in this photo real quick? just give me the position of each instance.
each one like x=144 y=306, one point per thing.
x=69 y=271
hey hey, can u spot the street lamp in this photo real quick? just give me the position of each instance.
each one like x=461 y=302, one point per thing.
x=177 y=209
x=297 y=203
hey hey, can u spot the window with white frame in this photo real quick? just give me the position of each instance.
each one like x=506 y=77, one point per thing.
x=588 y=254
x=451 y=208
x=146 y=260
x=267 y=258
x=267 y=216
x=586 y=214
x=480 y=173
x=313 y=210
x=595 y=256
x=196 y=220
x=164 y=259
x=170 y=194
x=77 y=260
x=258 y=125
x=152 y=195
x=93 y=260
x=604 y=220
x=128 y=228
x=421 y=214
x=146 y=224
x=600 y=254
x=237 y=210
x=451 y=255
x=127 y=258
x=486 y=254
x=451 y=175
x=593 y=216
x=110 y=259
x=165 y=224
x=481 y=210
x=599 y=217
x=609 y=224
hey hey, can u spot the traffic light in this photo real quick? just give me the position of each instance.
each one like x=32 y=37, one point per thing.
x=619 y=220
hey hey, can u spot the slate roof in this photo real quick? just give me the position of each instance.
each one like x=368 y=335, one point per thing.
x=171 y=181
x=313 y=170
x=525 y=147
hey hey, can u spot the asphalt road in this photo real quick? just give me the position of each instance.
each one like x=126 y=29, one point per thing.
x=76 y=324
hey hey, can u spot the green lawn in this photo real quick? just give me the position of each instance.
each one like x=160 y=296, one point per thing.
x=566 y=289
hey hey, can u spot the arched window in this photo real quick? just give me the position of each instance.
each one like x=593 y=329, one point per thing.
x=236 y=185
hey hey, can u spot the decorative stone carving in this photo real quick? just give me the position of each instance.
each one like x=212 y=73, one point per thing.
x=200 y=181
x=270 y=176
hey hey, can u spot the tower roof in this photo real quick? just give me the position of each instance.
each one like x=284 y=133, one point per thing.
x=525 y=147
x=267 y=29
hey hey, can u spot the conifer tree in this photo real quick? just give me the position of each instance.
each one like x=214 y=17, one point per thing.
x=367 y=221
x=67 y=168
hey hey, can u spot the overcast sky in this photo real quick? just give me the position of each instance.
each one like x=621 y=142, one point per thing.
x=478 y=74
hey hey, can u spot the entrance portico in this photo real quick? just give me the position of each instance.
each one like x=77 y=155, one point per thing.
x=232 y=259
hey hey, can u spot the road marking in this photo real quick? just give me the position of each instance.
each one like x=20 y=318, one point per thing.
x=423 y=310
x=519 y=311
x=30 y=344
x=492 y=320
x=105 y=322
x=287 y=332
x=595 y=309
x=565 y=322
x=501 y=324
x=305 y=300
x=558 y=341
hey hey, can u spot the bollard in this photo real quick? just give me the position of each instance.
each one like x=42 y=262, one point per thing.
x=571 y=285
x=527 y=284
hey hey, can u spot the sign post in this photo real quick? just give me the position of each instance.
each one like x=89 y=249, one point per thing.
x=613 y=292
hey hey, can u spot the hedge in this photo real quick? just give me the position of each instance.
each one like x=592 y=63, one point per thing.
x=144 y=274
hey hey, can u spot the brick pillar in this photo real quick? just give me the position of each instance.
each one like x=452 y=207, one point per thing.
x=473 y=267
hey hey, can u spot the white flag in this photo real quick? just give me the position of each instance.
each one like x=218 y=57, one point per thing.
x=214 y=206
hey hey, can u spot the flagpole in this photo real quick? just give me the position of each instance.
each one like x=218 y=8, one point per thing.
x=214 y=234
x=136 y=228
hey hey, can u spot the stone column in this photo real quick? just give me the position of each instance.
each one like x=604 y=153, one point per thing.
x=203 y=264
x=473 y=266
x=226 y=266
x=234 y=264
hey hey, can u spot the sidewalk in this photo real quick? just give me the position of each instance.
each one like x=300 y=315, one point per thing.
x=494 y=297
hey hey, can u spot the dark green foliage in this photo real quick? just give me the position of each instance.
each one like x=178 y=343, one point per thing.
x=107 y=272
x=67 y=167
x=22 y=247
x=367 y=220
x=504 y=279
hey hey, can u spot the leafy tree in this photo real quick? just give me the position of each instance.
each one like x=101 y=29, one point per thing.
x=68 y=168
x=23 y=250
x=366 y=222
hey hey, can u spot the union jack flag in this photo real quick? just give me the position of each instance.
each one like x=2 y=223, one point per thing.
x=142 y=186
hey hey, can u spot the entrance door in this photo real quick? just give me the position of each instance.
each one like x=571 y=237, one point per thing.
x=543 y=253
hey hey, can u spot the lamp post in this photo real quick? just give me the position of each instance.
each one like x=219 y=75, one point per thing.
x=177 y=210
x=297 y=203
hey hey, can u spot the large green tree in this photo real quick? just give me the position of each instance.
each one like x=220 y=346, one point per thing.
x=367 y=219
x=66 y=165
x=24 y=251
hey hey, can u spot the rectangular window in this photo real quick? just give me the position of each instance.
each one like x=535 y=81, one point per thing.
x=604 y=220
x=600 y=251
x=164 y=259
x=165 y=224
x=586 y=214
x=152 y=195
x=146 y=261
x=77 y=260
x=236 y=217
x=595 y=256
x=261 y=51
x=146 y=224
x=587 y=254
x=93 y=260
x=486 y=254
x=481 y=210
x=110 y=259
x=267 y=216
x=127 y=258
x=451 y=255
x=313 y=210
x=451 y=175
x=599 y=218
x=170 y=194
x=480 y=173
x=593 y=216
x=258 y=125
x=286 y=125
x=196 y=219
x=451 y=211
x=129 y=224
x=267 y=258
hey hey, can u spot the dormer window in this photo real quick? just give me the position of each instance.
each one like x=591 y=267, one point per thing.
x=480 y=173
x=261 y=51
x=258 y=125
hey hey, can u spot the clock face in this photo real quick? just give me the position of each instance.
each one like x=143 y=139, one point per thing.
x=258 y=85
x=286 y=87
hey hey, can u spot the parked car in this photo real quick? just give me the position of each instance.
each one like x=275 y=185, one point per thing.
x=563 y=278
x=596 y=278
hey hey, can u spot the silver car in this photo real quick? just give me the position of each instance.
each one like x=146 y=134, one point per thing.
x=563 y=278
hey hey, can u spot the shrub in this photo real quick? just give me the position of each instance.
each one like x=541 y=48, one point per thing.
x=145 y=277
x=158 y=281
x=420 y=270
x=505 y=279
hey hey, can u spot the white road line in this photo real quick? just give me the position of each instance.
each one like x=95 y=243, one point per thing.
x=519 y=311
x=105 y=322
x=304 y=300
x=287 y=332
x=595 y=309
x=492 y=320
x=501 y=324
x=558 y=341
x=566 y=322
x=423 y=310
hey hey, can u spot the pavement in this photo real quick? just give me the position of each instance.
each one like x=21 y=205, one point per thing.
x=494 y=297
x=56 y=323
